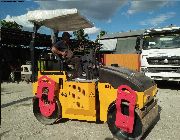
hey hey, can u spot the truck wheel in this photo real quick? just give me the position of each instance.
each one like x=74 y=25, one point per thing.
x=120 y=134
x=56 y=115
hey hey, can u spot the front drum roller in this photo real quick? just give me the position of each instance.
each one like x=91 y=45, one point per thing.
x=119 y=133
x=46 y=106
x=52 y=117
x=143 y=119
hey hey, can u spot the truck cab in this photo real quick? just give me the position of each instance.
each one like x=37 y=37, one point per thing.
x=160 y=54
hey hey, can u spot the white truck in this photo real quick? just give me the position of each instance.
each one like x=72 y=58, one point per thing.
x=160 y=54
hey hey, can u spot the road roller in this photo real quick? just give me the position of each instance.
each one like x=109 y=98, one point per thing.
x=122 y=98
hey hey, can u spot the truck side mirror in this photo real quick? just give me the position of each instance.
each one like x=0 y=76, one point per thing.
x=138 y=45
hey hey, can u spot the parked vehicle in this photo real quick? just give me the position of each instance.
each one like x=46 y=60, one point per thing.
x=160 y=54
x=154 y=52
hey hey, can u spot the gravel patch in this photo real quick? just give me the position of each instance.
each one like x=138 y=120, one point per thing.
x=19 y=123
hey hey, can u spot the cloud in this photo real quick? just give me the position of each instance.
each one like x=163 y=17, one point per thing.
x=109 y=21
x=158 y=19
x=101 y=10
x=92 y=30
x=139 y=6
x=28 y=26
x=21 y=20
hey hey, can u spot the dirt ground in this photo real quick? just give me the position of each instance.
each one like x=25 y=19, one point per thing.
x=19 y=123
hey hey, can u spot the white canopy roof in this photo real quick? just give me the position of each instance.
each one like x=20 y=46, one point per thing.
x=60 y=19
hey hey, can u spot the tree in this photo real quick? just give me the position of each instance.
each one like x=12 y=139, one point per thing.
x=80 y=35
x=102 y=33
x=10 y=25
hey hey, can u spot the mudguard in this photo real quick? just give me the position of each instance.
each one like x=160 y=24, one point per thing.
x=47 y=106
x=125 y=122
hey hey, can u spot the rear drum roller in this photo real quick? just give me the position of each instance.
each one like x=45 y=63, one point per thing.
x=120 y=134
x=56 y=114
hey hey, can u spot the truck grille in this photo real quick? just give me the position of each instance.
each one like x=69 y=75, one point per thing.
x=164 y=69
x=164 y=61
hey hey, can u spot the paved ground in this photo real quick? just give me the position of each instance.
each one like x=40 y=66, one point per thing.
x=18 y=121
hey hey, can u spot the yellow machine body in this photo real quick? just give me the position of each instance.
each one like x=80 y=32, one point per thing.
x=81 y=99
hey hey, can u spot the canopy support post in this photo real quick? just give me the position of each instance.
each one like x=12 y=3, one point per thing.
x=54 y=36
x=32 y=51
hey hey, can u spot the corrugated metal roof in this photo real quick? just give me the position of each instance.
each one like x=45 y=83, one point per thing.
x=123 y=34
x=163 y=30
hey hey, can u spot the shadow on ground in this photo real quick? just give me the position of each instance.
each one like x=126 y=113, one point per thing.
x=3 y=133
x=168 y=85
x=15 y=102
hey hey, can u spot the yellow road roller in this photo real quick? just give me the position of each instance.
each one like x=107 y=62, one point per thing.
x=123 y=98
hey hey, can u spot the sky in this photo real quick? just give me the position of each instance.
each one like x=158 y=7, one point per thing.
x=108 y=15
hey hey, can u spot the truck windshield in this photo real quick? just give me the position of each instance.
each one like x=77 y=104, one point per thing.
x=161 y=42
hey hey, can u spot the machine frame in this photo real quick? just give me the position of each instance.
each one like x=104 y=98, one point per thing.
x=123 y=98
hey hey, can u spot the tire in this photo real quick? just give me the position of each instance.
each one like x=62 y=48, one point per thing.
x=56 y=115
x=120 y=134
x=12 y=77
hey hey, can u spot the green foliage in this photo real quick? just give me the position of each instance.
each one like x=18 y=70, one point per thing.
x=80 y=35
x=102 y=33
x=10 y=25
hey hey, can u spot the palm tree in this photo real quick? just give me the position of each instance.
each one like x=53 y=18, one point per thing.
x=80 y=35
x=102 y=33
